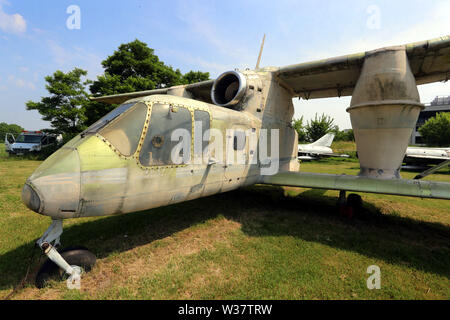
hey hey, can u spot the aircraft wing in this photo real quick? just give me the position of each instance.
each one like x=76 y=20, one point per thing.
x=307 y=157
x=418 y=156
x=337 y=155
x=315 y=156
x=400 y=187
x=200 y=91
x=335 y=77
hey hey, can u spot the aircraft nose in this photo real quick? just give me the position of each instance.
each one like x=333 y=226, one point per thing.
x=30 y=198
x=54 y=188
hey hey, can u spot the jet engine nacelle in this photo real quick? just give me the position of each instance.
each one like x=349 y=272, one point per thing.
x=384 y=110
x=229 y=89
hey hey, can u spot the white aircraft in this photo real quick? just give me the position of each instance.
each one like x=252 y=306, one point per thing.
x=426 y=155
x=318 y=149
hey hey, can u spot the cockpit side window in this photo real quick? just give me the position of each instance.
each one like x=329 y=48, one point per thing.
x=125 y=132
x=157 y=146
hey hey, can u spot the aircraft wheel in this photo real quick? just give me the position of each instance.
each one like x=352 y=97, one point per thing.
x=355 y=202
x=75 y=255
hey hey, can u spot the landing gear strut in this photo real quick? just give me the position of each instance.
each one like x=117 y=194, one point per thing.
x=351 y=206
x=73 y=261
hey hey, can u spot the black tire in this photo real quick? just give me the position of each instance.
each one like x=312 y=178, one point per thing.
x=78 y=256
x=355 y=201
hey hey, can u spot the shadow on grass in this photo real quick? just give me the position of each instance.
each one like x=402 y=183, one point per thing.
x=262 y=211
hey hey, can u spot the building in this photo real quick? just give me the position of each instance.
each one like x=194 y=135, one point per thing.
x=439 y=104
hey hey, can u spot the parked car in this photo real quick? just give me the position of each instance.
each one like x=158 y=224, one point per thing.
x=30 y=141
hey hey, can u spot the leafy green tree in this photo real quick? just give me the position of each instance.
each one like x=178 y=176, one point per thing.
x=64 y=108
x=297 y=124
x=318 y=127
x=436 y=130
x=350 y=135
x=195 y=76
x=9 y=128
x=134 y=67
x=344 y=135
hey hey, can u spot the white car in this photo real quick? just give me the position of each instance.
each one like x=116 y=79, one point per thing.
x=30 y=141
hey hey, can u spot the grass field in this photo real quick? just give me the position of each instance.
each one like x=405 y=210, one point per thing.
x=255 y=243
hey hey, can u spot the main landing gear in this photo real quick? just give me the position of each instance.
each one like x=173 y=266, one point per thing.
x=350 y=207
x=73 y=261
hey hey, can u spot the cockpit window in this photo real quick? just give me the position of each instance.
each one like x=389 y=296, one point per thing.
x=94 y=128
x=125 y=132
x=157 y=147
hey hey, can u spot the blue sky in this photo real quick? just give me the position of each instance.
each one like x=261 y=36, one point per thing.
x=213 y=36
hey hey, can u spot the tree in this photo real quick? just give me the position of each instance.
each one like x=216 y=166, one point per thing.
x=297 y=124
x=134 y=67
x=195 y=76
x=344 y=135
x=318 y=127
x=9 y=128
x=64 y=108
x=436 y=130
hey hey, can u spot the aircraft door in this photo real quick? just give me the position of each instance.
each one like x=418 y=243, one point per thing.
x=205 y=158
x=237 y=155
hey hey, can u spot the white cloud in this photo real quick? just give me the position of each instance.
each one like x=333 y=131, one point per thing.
x=75 y=57
x=435 y=23
x=198 y=24
x=12 y=23
x=213 y=68
x=21 y=83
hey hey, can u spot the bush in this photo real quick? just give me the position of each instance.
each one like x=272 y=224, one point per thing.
x=344 y=135
x=297 y=124
x=436 y=130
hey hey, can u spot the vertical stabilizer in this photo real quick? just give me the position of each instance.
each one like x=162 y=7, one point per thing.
x=325 y=141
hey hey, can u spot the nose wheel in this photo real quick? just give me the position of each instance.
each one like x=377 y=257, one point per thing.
x=71 y=261
x=76 y=256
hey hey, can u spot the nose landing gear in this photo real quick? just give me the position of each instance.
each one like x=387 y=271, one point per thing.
x=73 y=261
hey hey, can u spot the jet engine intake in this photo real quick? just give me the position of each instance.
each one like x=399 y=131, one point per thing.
x=229 y=89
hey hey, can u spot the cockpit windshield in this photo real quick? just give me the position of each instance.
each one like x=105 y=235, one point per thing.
x=125 y=131
x=94 y=128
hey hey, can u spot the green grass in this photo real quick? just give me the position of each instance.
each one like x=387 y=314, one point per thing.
x=255 y=243
x=3 y=153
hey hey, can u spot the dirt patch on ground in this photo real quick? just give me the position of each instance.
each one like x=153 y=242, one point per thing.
x=127 y=268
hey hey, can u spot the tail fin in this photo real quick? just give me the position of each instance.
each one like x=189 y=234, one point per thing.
x=325 y=141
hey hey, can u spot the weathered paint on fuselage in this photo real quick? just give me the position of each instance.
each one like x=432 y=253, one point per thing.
x=89 y=177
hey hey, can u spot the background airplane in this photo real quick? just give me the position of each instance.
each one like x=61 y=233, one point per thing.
x=318 y=149
x=424 y=156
